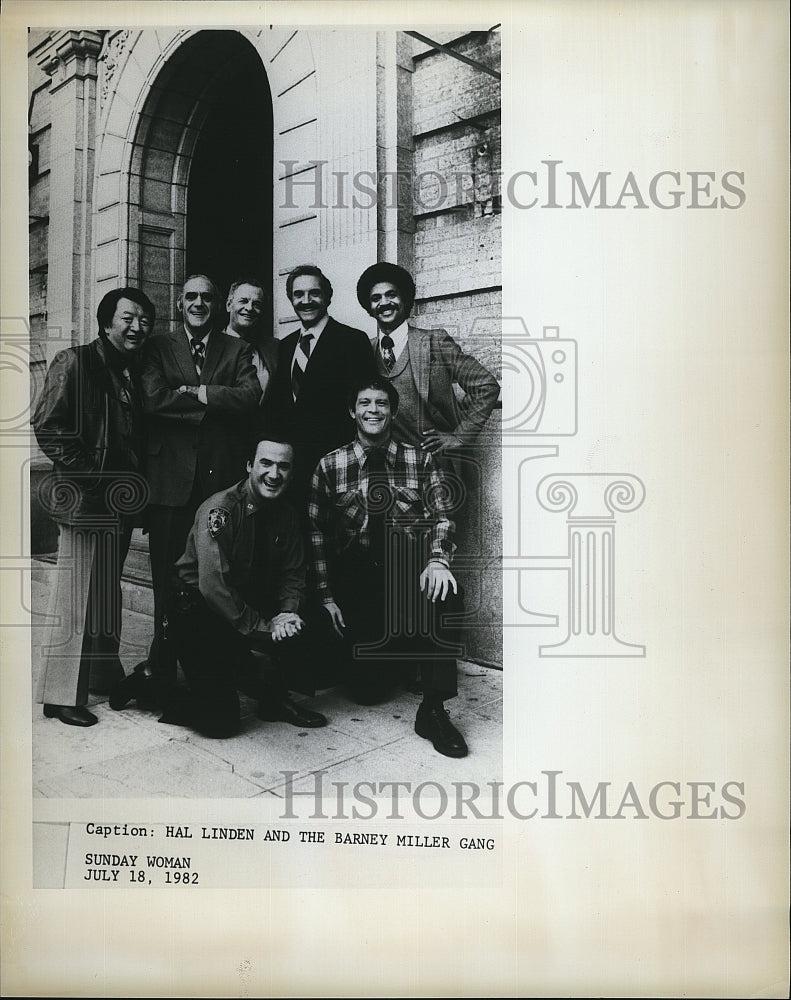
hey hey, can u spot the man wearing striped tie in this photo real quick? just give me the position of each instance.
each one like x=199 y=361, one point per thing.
x=317 y=365
x=201 y=398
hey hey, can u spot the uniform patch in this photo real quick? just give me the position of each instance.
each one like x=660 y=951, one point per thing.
x=218 y=518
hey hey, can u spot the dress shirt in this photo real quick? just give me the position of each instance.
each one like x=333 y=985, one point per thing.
x=316 y=331
x=398 y=336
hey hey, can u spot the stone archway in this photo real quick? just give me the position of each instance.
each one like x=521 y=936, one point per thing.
x=158 y=89
x=201 y=169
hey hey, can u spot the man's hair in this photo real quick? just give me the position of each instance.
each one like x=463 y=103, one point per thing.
x=385 y=271
x=247 y=280
x=375 y=382
x=315 y=272
x=109 y=303
x=275 y=437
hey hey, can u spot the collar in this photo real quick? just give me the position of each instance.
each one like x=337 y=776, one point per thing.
x=398 y=336
x=112 y=357
x=362 y=454
x=251 y=504
x=203 y=340
x=316 y=330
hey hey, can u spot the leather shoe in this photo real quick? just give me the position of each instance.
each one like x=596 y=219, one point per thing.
x=71 y=715
x=288 y=711
x=137 y=685
x=432 y=723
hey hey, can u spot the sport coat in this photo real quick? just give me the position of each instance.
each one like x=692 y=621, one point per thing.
x=319 y=421
x=437 y=363
x=187 y=438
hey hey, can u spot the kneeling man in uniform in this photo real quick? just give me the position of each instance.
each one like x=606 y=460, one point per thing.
x=240 y=586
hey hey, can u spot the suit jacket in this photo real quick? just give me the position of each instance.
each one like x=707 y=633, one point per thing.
x=91 y=425
x=437 y=363
x=187 y=439
x=319 y=421
x=264 y=354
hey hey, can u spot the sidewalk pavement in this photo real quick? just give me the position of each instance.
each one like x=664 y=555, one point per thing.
x=129 y=754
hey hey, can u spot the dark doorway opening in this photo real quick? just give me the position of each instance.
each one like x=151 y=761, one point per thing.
x=229 y=194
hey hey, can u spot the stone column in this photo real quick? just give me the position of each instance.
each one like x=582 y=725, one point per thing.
x=395 y=149
x=70 y=59
x=592 y=501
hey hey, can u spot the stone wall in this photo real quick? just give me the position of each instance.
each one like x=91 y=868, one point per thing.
x=457 y=266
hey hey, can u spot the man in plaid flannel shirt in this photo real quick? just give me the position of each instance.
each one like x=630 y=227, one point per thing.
x=382 y=540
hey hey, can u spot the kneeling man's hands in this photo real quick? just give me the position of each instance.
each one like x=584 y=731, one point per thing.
x=286 y=624
x=436 y=581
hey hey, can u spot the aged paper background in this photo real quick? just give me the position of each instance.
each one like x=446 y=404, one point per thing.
x=681 y=323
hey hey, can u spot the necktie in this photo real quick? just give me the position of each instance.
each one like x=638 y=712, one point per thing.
x=198 y=354
x=388 y=355
x=301 y=356
x=378 y=499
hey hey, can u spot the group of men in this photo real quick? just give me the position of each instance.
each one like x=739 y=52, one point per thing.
x=328 y=561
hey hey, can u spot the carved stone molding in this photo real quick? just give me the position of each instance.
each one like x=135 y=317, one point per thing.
x=71 y=54
x=110 y=57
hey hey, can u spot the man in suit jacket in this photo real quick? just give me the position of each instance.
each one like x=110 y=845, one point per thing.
x=317 y=365
x=424 y=365
x=201 y=398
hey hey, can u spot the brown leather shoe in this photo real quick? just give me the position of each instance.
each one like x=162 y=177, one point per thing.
x=71 y=715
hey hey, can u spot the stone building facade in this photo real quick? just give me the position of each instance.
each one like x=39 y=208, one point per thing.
x=156 y=153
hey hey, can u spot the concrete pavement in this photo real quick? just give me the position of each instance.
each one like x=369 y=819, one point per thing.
x=129 y=754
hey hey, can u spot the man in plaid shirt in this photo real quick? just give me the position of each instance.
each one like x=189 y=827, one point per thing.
x=382 y=539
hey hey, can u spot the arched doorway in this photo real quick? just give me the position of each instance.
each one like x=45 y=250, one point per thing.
x=201 y=177
x=229 y=195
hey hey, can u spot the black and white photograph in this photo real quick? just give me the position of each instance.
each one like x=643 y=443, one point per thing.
x=289 y=255
x=394 y=498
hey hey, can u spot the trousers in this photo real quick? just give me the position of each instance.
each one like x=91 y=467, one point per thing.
x=391 y=627
x=80 y=647
x=218 y=662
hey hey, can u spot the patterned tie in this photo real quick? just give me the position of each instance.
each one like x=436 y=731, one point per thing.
x=198 y=354
x=301 y=356
x=388 y=355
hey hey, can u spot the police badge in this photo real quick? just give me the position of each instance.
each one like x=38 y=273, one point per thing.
x=218 y=518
